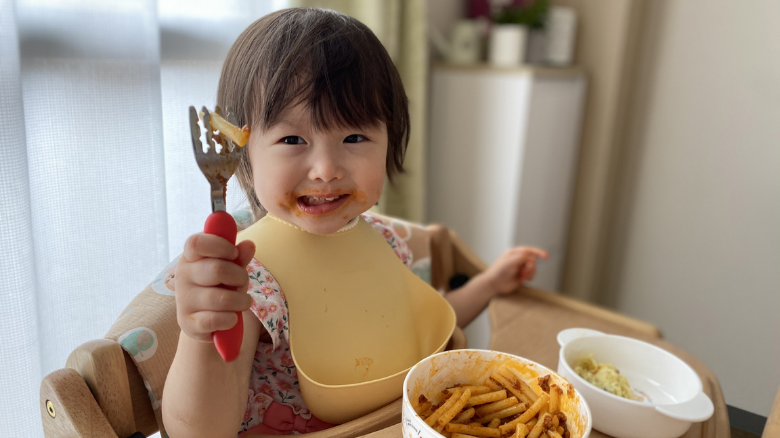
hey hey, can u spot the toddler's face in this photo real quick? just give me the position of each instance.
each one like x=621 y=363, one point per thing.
x=317 y=180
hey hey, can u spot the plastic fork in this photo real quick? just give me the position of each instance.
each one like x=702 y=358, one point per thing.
x=218 y=167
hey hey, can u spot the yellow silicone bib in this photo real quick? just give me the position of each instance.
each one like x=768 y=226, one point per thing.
x=359 y=318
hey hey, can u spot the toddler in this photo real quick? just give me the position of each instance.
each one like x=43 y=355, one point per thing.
x=329 y=122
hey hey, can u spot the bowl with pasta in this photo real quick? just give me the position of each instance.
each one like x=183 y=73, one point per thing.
x=483 y=393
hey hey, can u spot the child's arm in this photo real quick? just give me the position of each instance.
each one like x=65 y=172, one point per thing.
x=203 y=395
x=505 y=275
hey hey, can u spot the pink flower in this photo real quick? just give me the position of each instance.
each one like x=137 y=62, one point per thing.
x=387 y=233
x=286 y=360
x=247 y=415
x=267 y=390
x=262 y=312
x=266 y=290
x=259 y=398
x=285 y=386
x=269 y=279
x=272 y=308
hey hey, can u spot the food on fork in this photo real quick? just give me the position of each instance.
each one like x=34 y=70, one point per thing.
x=239 y=136
x=504 y=405
x=604 y=376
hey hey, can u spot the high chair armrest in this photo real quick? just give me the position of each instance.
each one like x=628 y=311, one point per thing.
x=68 y=409
x=101 y=364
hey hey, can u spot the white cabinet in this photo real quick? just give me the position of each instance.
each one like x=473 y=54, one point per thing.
x=502 y=158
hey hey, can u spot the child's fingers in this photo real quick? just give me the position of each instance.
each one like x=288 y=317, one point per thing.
x=218 y=299
x=246 y=251
x=528 y=270
x=542 y=254
x=201 y=245
x=206 y=322
x=215 y=272
x=526 y=251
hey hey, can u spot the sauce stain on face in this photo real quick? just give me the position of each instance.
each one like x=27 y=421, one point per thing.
x=361 y=198
x=289 y=202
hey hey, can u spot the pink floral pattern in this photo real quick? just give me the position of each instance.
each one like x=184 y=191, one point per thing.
x=399 y=245
x=274 y=377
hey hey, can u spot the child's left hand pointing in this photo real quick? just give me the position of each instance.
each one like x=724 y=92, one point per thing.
x=513 y=267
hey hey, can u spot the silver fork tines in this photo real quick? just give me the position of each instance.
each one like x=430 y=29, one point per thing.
x=217 y=167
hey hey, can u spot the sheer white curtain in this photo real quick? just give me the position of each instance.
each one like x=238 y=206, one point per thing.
x=99 y=187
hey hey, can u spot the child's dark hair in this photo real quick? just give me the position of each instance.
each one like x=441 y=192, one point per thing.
x=330 y=62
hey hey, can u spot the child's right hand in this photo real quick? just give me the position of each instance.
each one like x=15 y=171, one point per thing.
x=211 y=284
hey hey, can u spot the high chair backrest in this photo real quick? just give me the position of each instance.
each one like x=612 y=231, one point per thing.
x=112 y=387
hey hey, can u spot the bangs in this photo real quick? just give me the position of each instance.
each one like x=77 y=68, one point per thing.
x=338 y=83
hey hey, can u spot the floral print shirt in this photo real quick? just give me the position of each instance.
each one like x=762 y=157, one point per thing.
x=274 y=378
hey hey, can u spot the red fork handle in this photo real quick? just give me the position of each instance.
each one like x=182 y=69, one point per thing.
x=228 y=342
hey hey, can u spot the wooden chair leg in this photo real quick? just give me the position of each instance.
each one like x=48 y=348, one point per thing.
x=68 y=409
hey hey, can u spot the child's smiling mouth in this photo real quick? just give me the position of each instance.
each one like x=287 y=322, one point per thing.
x=322 y=203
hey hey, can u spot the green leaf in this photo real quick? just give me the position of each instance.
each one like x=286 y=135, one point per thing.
x=533 y=15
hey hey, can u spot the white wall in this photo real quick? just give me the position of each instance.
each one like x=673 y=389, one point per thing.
x=698 y=237
x=442 y=14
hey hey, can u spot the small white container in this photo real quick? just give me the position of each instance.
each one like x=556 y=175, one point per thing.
x=446 y=369
x=507 y=44
x=561 y=36
x=672 y=390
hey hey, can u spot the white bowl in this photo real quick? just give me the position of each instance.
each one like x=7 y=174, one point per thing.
x=673 y=392
x=443 y=370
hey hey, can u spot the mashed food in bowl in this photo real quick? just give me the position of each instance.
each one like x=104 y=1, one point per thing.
x=604 y=376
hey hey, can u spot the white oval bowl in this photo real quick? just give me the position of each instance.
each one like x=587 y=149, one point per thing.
x=673 y=391
x=443 y=370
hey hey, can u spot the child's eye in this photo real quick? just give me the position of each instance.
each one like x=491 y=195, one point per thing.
x=354 y=138
x=292 y=139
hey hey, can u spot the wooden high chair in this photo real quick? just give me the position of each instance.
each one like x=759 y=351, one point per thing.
x=100 y=392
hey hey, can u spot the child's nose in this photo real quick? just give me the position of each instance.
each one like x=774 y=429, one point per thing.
x=326 y=165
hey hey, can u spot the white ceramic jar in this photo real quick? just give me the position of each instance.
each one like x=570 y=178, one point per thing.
x=507 y=44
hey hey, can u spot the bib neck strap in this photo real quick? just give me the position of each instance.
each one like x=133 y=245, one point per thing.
x=350 y=225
